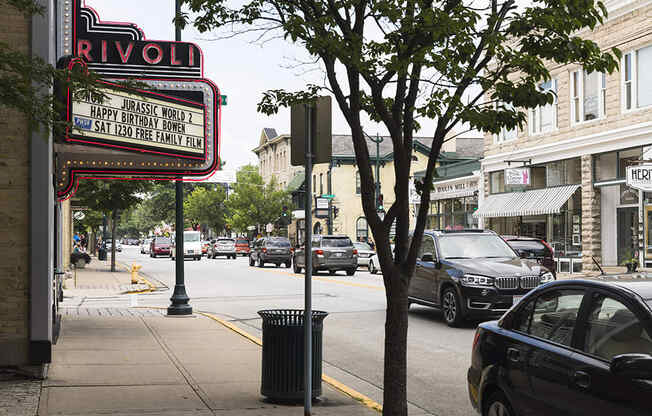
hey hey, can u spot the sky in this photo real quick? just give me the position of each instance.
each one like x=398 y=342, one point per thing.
x=241 y=69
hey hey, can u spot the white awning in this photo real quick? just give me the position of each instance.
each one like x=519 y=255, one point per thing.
x=534 y=202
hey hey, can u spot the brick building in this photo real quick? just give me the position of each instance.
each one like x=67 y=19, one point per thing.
x=574 y=154
x=27 y=212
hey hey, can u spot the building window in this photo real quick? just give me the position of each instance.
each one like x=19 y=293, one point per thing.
x=613 y=165
x=637 y=88
x=321 y=184
x=505 y=134
x=361 y=229
x=588 y=94
x=357 y=183
x=544 y=118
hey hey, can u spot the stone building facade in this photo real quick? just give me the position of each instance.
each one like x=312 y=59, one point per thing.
x=578 y=149
x=273 y=153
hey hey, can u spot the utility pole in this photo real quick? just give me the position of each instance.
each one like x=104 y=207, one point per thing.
x=179 y=299
x=307 y=313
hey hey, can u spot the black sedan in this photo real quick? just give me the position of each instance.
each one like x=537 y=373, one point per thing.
x=575 y=347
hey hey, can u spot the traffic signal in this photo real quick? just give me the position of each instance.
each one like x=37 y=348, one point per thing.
x=336 y=211
x=380 y=201
x=285 y=216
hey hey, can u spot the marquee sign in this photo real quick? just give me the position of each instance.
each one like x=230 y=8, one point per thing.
x=169 y=129
x=640 y=177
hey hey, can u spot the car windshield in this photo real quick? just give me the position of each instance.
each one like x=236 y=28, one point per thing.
x=191 y=237
x=362 y=246
x=162 y=240
x=531 y=247
x=278 y=243
x=468 y=246
x=242 y=242
x=336 y=242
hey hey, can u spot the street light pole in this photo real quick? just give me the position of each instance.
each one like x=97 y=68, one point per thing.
x=378 y=140
x=179 y=299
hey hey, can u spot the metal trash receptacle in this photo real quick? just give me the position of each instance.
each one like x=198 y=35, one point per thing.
x=283 y=353
x=101 y=254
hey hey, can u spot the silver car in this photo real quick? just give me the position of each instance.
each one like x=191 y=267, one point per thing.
x=364 y=253
x=329 y=252
x=222 y=247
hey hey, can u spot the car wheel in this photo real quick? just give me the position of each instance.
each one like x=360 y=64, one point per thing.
x=372 y=268
x=251 y=262
x=350 y=272
x=451 y=308
x=331 y=272
x=497 y=405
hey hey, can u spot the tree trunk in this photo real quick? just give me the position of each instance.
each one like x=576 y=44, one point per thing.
x=114 y=217
x=396 y=326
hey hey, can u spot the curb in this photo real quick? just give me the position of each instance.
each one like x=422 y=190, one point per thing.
x=152 y=287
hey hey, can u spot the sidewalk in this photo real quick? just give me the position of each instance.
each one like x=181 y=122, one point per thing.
x=96 y=279
x=147 y=363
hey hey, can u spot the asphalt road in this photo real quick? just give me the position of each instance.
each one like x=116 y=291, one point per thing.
x=438 y=356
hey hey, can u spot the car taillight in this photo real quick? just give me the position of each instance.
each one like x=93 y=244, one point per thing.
x=552 y=251
x=320 y=252
x=476 y=338
x=355 y=251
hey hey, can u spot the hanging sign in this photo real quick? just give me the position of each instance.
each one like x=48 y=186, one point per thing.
x=640 y=177
x=517 y=176
x=166 y=129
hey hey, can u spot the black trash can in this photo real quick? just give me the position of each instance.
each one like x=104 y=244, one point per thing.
x=283 y=353
x=101 y=254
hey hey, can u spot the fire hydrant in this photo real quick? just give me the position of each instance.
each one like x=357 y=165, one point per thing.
x=134 y=273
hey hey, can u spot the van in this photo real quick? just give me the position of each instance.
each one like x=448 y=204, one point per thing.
x=191 y=245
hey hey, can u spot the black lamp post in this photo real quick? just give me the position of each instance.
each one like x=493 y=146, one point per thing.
x=179 y=299
x=378 y=140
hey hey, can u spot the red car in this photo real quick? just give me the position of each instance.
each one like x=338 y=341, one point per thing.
x=242 y=246
x=160 y=246
x=204 y=247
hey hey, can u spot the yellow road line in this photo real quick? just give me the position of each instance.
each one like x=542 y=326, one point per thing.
x=325 y=279
x=356 y=395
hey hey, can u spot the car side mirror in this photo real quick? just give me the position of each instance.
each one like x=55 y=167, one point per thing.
x=523 y=254
x=632 y=366
x=428 y=257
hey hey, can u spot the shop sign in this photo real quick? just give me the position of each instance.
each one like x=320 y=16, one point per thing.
x=168 y=129
x=640 y=177
x=456 y=189
x=321 y=207
x=517 y=176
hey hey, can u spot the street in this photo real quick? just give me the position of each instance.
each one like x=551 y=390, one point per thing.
x=438 y=356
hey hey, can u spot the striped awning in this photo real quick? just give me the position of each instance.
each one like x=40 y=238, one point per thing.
x=534 y=202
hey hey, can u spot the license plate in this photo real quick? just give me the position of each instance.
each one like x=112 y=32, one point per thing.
x=338 y=254
x=517 y=299
x=191 y=251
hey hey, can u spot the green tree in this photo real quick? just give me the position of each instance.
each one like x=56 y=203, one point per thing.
x=206 y=205
x=477 y=64
x=254 y=203
x=111 y=197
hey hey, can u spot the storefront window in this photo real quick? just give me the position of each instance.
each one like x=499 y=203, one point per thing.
x=453 y=213
x=613 y=165
x=497 y=182
x=564 y=172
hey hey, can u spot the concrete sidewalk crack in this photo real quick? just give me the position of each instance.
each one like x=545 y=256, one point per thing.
x=182 y=370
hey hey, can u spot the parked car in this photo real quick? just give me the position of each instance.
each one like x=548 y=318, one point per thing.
x=242 y=246
x=471 y=274
x=145 y=246
x=223 y=246
x=109 y=245
x=364 y=253
x=574 y=347
x=275 y=250
x=160 y=246
x=191 y=246
x=534 y=249
x=329 y=252
x=374 y=262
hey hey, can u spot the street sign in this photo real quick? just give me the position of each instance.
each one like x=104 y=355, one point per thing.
x=322 y=207
x=320 y=128
x=328 y=196
x=79 y=215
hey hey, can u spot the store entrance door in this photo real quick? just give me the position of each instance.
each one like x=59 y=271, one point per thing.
x=627 y=233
